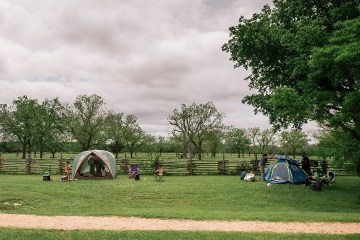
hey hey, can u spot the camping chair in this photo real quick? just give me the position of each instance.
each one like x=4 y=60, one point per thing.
x=331 y=179
x=159 y=174
x=133 y=171
x=318 y=183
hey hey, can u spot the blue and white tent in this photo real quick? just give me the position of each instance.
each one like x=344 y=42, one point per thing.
x=285 y=170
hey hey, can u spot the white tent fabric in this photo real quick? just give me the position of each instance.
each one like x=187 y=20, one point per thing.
x=81 y=165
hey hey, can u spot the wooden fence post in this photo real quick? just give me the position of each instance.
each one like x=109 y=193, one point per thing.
x=1 y=162
x=126 y=170
x=28 y=163
x=124 y=163
x=190 y=167
x=223 y=164
x=61 y=164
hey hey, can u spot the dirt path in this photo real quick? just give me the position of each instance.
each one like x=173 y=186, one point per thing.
x=133 y=223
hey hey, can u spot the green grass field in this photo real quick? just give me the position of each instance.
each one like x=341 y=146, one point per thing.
x=190 y=197
x=20 y=234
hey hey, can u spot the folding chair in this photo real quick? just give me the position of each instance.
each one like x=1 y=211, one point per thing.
x=159 y=174
x=133 y=171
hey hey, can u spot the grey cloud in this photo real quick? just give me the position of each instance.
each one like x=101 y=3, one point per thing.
x=143 y=57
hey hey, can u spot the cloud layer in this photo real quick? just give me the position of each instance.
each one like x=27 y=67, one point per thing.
x=143 y=57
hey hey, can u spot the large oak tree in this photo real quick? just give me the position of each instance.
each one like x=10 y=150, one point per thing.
x=304 y=58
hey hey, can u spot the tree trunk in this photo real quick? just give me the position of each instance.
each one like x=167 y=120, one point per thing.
x=23 y=151
x=41 y=151
x=199 y=151
x=185 y=149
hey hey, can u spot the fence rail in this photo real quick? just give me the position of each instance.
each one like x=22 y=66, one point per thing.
x=56 y=166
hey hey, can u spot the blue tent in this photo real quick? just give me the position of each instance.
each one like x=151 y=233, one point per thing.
x=285 y=170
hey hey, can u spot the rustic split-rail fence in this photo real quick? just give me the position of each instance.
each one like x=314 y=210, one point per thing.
x=56 y=166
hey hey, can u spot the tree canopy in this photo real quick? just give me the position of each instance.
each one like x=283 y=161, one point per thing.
x=20 y=121
x=86 y=119
x=237 y=140
x=304 y=58
x=195 y=123
x=293 y=141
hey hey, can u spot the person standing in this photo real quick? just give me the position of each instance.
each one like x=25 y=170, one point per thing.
x=103 y=172
x=67 y=171
x=262 y=165
x=91 y=163
x=305 y=164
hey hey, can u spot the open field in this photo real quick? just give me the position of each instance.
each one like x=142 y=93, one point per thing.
x=185 y=197
x=33 y=234
x=178 y=197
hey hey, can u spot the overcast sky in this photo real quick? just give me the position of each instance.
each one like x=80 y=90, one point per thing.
x=144 y=57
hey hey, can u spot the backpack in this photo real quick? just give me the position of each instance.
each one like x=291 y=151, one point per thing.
x=242 y=175
x=137 y=176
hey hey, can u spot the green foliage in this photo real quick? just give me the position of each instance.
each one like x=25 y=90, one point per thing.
x=304 y=57
x=156 y=162
x=340 y=146
x=134 y=136
x=214 y=141
x=195 y=124
x=237 y=140
x=35 y=126
x=293 y=141
x=86 y=121
x=263 y=141
x=305 y=63
x=50 y=126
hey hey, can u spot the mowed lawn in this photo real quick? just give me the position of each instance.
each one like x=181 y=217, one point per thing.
x=187 y=197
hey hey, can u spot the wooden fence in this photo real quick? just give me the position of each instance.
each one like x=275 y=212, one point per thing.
x=56 y=166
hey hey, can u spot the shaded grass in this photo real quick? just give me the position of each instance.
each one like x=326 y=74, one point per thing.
x=15 y=234
x=187 y=197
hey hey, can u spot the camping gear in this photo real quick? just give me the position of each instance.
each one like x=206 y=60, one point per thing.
x=64 y=178
x=46 y=176
x=159 y=174
x=315 y=186
x=285 y=170
x=250 y=177
x=331 y=179
x=242 y=175
x=88 y=164
x=137 y=176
